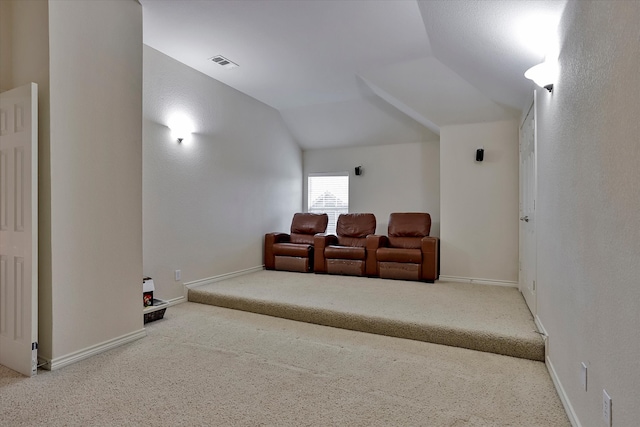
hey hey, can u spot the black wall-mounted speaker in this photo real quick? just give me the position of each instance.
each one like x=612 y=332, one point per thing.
x=358 y=170
x=479 y=154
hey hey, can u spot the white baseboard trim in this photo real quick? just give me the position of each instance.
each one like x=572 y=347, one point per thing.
x=543 y=332
x=475 y=281
x=174 y=301
x=571 y=414
x=568 y=408
x=61 y=362
x=213 y=279
x=540 y=326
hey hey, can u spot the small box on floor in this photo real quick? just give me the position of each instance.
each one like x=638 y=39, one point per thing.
x=147 y=291
x=155 y=314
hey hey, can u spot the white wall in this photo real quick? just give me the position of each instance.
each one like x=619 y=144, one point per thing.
x=24 y=54
x=396 y=178
x=588 y=210
x=6 y=62
x=209 y=201
x=95 y=58
x=479 y=202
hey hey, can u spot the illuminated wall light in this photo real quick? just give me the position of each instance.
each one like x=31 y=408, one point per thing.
x=181 y=127
x=537 y=33
x=544 y=74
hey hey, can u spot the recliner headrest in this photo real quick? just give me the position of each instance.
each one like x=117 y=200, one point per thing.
x=411 y=224
x=309 y=223
x=356 y=225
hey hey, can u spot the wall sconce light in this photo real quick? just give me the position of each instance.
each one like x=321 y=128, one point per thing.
x=544 y=74
x=180 y=128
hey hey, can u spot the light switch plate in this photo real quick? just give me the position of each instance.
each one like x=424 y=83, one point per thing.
x=583 y=375
x=606 y=408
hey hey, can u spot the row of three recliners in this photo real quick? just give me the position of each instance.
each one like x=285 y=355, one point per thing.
x=407 y=252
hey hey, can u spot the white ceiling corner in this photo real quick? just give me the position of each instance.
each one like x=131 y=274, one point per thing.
x=491 y=43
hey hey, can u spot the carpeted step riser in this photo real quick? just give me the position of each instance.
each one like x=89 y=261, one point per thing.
x=525 y=349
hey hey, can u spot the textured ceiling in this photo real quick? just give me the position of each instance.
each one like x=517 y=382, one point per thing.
x=355 y=72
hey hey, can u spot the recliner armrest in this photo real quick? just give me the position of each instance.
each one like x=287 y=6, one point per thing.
x=374 y=241
x=378 y=240
x=321 y=241
x=278 y=237
x=269 y=240
x=430 y=258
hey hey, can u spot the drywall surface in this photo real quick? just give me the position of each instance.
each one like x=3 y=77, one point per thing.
x=25 y=59
x=588 y=204
x=396 y=178
x=209 y=200
x=6 y=63
x=96 y=172
x=479 y=201
x=436 y=93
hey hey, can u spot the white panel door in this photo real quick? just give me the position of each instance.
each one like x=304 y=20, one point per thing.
x=19 y=229
x=527 y=279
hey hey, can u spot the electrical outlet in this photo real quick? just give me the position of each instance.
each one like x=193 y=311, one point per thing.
x=583 y=375
x=178 y=275
x=606 y=407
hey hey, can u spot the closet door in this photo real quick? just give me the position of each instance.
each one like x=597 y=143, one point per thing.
x=19 y=229
x=527 y=275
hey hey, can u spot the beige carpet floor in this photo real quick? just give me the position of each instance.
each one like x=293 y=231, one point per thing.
x=209 y=366
x=487 y=318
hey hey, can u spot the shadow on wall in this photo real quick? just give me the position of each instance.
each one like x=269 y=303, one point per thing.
x=462 y=259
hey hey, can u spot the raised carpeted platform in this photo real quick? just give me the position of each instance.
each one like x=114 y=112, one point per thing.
x=210 y=366
x=492 y=319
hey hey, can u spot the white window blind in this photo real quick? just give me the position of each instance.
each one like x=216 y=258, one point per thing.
x=328 y=194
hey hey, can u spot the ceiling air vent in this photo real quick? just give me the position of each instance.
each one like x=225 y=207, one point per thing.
x=224 y=62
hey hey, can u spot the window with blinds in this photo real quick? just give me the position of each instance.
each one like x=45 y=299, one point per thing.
x=328 y=194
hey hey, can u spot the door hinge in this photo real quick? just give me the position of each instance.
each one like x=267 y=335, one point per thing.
x=34 y=358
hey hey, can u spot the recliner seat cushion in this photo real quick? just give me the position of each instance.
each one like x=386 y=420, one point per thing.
x=344 y=252
x=399 y=255
x=291 y=249
x=360 y=242
x=405 y=242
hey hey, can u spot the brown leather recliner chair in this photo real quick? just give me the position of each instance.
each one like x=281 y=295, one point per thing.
x=408 y=252
x=294 y=252
x=347 y=253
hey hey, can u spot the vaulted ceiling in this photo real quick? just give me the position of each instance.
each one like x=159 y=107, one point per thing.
x=364 y=72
